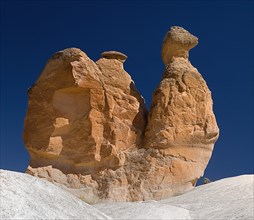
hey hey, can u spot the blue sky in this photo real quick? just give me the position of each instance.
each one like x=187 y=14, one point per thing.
x=31 y=31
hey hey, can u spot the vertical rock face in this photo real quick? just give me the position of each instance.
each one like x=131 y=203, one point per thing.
x=82 y=115
x=87 y=127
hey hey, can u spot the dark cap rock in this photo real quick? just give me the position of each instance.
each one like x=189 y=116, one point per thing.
x=114 y=55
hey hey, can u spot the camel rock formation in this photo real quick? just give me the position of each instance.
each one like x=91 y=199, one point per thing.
x=87 y=128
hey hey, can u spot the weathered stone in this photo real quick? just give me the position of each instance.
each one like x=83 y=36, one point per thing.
x=181 y=122
x=87 y=127
x=114 y=55
x=177 y=43
x=82 y=115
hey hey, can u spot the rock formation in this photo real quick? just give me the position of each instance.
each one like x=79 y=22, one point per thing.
x=181 y=123
x=87 y=126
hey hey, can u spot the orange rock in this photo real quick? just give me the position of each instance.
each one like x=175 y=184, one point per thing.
x=181 y=122
x=87 y=127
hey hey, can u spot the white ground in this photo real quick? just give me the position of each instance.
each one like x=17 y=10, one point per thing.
x=26 y=197
x=143 y=211
x=230 y=198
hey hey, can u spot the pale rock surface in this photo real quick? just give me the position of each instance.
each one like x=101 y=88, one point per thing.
x=26 y=197
x=87 y=127
x=230 y=198
x=143 y=210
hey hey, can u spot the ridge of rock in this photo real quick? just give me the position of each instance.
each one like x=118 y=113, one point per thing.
x=87 y=127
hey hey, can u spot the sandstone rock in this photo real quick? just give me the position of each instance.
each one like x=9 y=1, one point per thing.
x=177 y=43
x=114 y=55
x=87 y=127
x=82 y=115
x=181 y=123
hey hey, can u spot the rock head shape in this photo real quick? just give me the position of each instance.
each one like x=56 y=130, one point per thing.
x=87 y=126
x=177 y=43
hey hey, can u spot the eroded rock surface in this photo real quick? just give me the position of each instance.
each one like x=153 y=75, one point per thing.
x=87 y=127
x=181 y=122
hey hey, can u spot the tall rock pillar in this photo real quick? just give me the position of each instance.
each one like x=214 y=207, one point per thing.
x=181 y=122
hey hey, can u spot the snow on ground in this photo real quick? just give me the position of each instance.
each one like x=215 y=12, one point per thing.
x=27 y=197
x=230 y=198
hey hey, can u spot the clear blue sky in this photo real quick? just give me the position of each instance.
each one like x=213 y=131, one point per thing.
x=31 y=31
